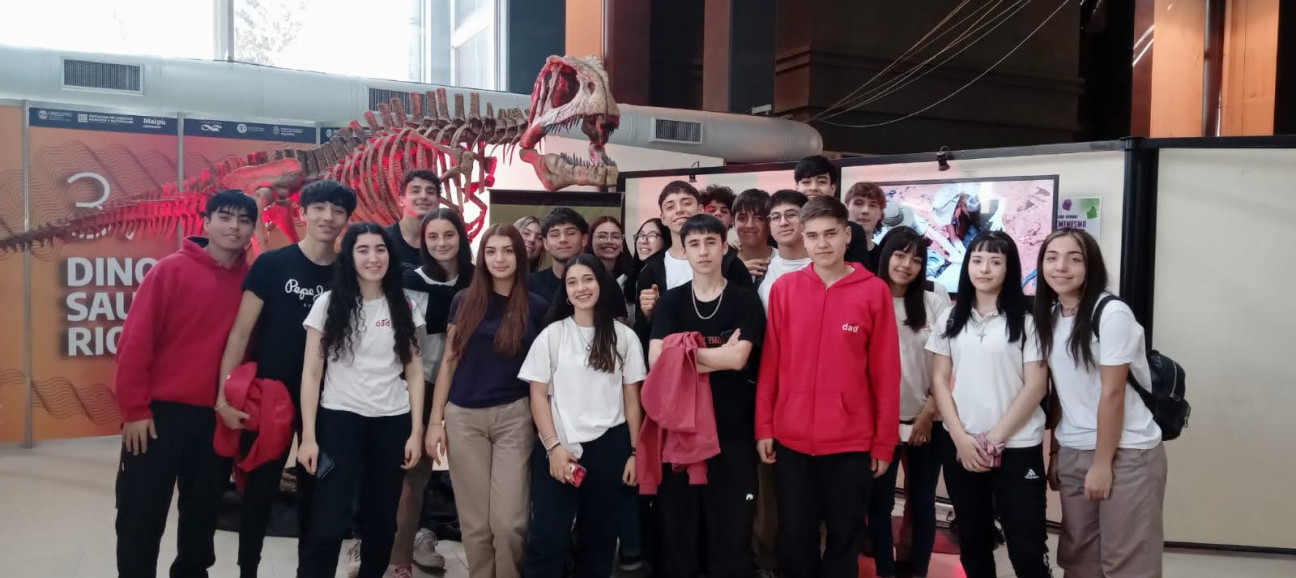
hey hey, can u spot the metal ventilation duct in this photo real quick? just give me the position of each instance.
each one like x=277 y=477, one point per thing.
x=244 y=90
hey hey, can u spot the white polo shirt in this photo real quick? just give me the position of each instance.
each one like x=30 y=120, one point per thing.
x=1079 y=386
x=915 y=362
x=989 y=373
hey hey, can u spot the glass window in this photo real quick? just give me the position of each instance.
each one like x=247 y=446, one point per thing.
x=145 y=27
x=473 y=42
x=335 y=36
x=452 y=42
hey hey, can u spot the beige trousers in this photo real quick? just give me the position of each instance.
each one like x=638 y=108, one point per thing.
x=490 y=456
x=1122 y=536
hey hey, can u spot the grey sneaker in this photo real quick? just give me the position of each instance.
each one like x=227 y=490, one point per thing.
x=425 y=553
x=351 y=564
x=399 y=571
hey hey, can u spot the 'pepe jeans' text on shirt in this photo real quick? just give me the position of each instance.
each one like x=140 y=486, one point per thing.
x=306 y=295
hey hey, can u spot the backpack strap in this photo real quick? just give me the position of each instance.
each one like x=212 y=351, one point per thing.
x=1097 y=313
x=1097 y=318
x=555 y=340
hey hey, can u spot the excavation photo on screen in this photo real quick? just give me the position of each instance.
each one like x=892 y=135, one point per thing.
x=953 y=212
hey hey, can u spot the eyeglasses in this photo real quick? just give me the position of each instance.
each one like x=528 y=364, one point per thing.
x=647 y=237
x=788 y=215
x=604 y=237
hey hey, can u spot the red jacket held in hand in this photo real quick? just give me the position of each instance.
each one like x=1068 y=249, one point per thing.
x=174 y=336
x=679 y=420
x=830 y=366
x=270 y=413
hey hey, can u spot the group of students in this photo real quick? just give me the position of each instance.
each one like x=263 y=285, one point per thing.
x=734 y=393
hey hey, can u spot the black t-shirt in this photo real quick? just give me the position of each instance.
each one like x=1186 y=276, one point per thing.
x=545 y=284
x=408 y=255
x=732 y=392
x=287 y=283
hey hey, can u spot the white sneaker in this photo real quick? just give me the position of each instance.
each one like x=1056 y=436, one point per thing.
x=399 y=571
x=425 y=554
x=351 y=564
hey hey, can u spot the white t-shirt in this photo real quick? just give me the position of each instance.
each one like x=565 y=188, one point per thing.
x=585 y=403
x=678 y=271
x=367 y=381
x=915 y=362
x=1079 y=386
x=431 y=345
x=989 y=373
x=778 y=267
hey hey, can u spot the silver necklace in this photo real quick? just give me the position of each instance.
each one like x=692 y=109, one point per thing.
x=581 y=335
x=979 y=325
x=693 y=293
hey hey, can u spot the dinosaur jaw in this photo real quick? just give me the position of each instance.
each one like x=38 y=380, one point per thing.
x=557 y=171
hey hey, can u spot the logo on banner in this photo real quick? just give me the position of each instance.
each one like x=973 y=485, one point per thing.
x=42 y=115
x=275 y=131
x=83 y=118
x=242 y=128
x=211 y=127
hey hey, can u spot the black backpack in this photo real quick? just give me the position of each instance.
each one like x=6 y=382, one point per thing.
x=1165 y=397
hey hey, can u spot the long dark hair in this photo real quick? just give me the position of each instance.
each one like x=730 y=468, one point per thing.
x=603 y=354
x=623 y=262
x=1012 y=301
x=1095 y=282
x=345 y=307
x=433 y=269
x=476 y=298
x=907 y=240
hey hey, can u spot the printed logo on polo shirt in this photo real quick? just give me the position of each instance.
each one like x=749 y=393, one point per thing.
x=850 y=328
x=305 y=294
x=383 y=323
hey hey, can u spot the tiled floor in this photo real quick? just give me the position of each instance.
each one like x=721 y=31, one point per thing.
x=56 y=519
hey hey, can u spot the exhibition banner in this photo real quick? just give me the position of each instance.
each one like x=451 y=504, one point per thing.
x=13 y=337
x=81 y=291
x=210 y=142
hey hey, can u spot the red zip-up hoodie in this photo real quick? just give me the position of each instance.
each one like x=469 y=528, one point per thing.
x=830 y=366
x=170 y=348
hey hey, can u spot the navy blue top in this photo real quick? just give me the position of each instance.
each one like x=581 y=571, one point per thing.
x=484 y=378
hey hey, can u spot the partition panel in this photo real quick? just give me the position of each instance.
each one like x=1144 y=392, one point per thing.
x=1224 y=220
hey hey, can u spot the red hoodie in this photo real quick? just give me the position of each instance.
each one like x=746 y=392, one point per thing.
x=830 y=366
x=171 y=346
x=679 y=418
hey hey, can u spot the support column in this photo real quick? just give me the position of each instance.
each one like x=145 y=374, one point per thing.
x=738 y=55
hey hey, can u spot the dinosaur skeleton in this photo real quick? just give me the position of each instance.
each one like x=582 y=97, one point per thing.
x=372 y=158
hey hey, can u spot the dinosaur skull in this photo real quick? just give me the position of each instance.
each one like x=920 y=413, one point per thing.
x=571 y=91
